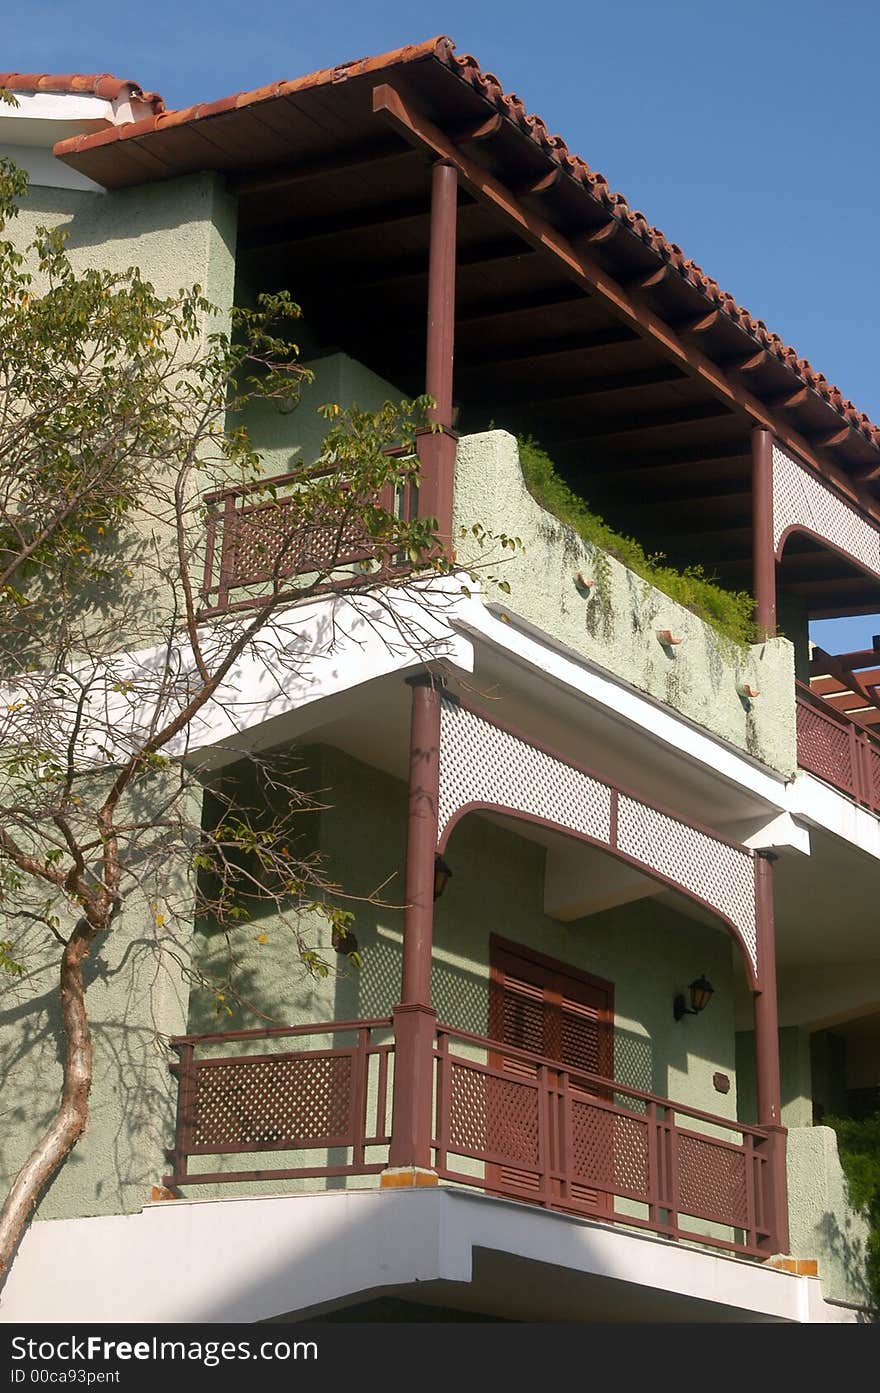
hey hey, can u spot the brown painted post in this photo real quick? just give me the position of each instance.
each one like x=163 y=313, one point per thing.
x=763 y=551
x=437 y=448
x=767 y=1058
x=185 y=1073
x=409 y=1156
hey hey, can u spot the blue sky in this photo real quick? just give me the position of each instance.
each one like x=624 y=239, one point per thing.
x=747 y=131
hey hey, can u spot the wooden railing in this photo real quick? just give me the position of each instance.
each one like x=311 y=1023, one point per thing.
x=325 y=1099
x=838 y=748
x=256 y=540
x=578 y=1142
x=506 y=1121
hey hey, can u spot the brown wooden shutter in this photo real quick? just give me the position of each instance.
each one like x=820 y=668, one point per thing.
x=543 y=1006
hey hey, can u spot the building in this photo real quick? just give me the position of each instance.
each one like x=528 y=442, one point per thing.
x=517 y=1108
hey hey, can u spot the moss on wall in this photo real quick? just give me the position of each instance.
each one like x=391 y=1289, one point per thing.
x=614 y=625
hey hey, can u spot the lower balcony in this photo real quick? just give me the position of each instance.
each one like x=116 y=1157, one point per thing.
x=511 y=1123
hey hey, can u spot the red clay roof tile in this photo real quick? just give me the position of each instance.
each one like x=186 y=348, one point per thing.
x=512 y=107
x=95 y=84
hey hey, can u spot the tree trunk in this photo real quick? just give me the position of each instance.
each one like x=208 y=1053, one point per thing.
x=70 y=1120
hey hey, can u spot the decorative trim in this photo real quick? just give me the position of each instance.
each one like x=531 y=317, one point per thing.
x=802 y=502
x=485 y=765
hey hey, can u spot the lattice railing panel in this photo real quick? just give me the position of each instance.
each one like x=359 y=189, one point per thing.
x=608 y=1149
x=546 y=1134
x=718 y=873
x=825 y=748
x=493 y=1116
x=276 y=1100
x=482 y=763
x=269 y=542
x=712 y=1180
x=802 y=499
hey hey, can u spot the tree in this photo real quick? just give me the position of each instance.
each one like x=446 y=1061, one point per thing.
x=117 y=411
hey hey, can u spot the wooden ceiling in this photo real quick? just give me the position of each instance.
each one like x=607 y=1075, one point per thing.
x=641 y=435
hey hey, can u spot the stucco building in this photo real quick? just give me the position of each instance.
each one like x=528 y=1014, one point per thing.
x=586 y=1081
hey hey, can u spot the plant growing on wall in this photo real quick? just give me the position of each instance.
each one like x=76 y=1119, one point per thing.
x=858 y=1145
x=117 y=412
x=729 y=611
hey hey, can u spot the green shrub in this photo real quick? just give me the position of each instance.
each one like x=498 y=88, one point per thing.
x=858 y=1145
x=729 y=611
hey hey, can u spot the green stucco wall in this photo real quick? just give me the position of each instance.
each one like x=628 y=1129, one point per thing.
x=794 y=1072
x=822 y=1222
x=286 y=441
x=617 y=630
x=179 y=233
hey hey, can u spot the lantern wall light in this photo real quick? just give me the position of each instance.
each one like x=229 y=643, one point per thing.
x=442 y=876
x=700 y=992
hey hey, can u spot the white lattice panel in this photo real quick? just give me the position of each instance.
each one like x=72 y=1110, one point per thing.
x=481 y=763
x=801 y=499
x=720 y=874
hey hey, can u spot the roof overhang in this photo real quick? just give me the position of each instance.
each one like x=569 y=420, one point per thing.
x=577 y=321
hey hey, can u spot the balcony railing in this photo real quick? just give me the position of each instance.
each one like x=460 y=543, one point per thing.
x=331 y=1099
x=505 y=1121
x=837 y=748
x=254 y=542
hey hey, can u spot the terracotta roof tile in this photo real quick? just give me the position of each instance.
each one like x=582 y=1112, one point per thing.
x=94 y=84
x=513 y=108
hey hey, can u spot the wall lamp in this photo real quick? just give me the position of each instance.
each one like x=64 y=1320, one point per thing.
x=442 y=876
x=701 y=992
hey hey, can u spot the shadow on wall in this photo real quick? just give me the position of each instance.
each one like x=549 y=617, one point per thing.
x=460 y=999
x=847 y=1250
x=131 y=1106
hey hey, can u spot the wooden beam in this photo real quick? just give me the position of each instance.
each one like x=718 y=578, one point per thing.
x=581 y=264
x=701 y=324
x=864 y=657
x=475 y=131
x=657 y=423
x=388 y=274
x=289 y=175
x=335 y=224
x=609 y=385
x=542 y=184
x=679 y=479
x=792 y=400
x=598 y=236
x=831 y=438
x=694 y=507
x=509 y=306
x=588 y=342
x=647 y=280
x=753 y=362
x=867 y=475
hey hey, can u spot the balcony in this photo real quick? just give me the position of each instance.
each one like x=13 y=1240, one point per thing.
x=510 y=1123
x=258 y=542
x=838 y=748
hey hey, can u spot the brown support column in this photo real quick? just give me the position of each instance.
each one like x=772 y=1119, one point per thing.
x=763 y=551
x=437 y=447
x=409 y=1157
x=767 y=1060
